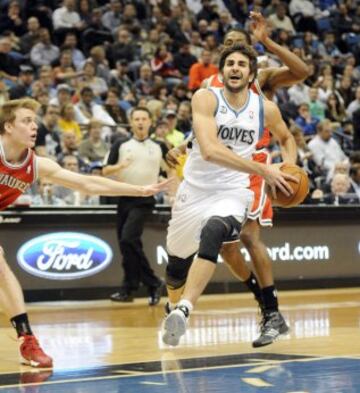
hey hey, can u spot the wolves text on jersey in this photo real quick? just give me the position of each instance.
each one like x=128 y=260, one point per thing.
x=236 y=134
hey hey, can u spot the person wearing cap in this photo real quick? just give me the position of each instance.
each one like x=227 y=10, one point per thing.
x=23 y=86
x=63 y=95
x=174 y=136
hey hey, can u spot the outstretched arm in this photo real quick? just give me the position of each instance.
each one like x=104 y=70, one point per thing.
x=275 y=77
x=275 y=122
x=93 y=185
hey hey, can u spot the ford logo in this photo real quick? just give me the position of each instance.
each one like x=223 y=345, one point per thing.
x=64 y=256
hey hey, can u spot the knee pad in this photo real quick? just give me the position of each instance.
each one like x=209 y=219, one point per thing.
x=177 y=270
x=216 y=231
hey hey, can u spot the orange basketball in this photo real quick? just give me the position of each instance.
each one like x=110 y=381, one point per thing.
x=300 y=189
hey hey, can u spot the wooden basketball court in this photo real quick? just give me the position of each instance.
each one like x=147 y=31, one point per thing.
x=108 y=347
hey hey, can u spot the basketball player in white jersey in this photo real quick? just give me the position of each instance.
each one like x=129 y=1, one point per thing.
x=265 y=84
x=213 y=200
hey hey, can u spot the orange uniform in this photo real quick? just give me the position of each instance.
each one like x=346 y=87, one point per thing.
x=261 y=208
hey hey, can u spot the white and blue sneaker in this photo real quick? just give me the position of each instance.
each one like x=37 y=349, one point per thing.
x=175 y=325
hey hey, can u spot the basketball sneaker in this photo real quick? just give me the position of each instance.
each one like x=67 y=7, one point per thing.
x=123 y=296
x=155 y=294
x=31 y=352
x=175 y=325
x=272 y=326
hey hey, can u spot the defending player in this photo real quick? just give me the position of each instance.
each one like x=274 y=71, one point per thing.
x=19 y=168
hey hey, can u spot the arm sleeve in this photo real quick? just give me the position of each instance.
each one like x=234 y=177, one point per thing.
x=114 y=153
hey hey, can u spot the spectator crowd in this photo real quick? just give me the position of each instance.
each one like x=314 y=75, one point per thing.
x=89 y=62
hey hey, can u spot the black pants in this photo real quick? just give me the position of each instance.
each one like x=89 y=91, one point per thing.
x=131 y=215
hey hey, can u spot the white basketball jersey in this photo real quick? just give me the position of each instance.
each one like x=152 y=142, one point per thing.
x=239 y=131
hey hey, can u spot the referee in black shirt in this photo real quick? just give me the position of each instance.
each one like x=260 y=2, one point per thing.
x=136 y=161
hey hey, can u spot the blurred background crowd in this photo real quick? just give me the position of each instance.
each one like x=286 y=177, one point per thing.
x=90 y=62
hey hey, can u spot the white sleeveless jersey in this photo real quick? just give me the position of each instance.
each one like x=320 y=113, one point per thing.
x=239 y=131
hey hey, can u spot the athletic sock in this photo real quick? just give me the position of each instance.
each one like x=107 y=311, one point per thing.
x=253 y=285
x=21 y=324
x=172 y=306
x=269 y=295
x=187 y=304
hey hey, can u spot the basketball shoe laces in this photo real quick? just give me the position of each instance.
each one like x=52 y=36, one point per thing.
x=267 y=324
x=32 y=353
x=184 y=309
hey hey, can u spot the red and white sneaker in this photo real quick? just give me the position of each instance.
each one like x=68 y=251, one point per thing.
x=32 y=354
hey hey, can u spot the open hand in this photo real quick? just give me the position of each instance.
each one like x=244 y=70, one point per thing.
x=278 y=180
x=259 y=26
x=153 y=189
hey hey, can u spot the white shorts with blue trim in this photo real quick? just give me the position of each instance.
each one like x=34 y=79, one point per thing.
x=194 y=206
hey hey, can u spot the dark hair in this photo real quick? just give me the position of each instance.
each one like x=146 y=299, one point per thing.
x=86 y=89
x=247 y=51
x=140 y=108
x=241 y=31
x=354 y=169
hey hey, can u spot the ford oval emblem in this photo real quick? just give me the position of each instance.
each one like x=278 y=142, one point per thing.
x=64 y=256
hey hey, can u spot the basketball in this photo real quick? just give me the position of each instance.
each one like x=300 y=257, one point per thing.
x=300 y=189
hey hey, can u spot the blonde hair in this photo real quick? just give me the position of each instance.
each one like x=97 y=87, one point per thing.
x=94 y=123
x=8 y=110
x=65 y=107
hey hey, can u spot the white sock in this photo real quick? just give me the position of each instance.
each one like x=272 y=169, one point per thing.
x=187 y=304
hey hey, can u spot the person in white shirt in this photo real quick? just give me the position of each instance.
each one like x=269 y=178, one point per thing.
x=87 y=109
x=280 y=20
x=355 y=179
x=299 y=93
x=66 y=17
x=354 y=105
x=303 y=7
x=325 y=149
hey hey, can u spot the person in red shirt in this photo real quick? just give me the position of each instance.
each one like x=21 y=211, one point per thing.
x=19 y=168
x=261 y=285
x=201 y=70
